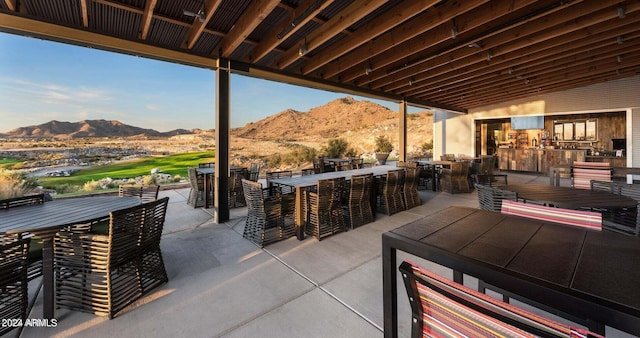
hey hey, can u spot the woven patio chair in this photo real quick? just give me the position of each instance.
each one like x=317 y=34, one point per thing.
x=610 y=187
x=490 y=198
x=254 y=172
x=22 y=200
x=410 y=194
x=454 y=179
x=207 y=165
x=390 y=192
x=498 y=180
x=196 y=194
x=324 y=215
x=344 y=166
x=35 y=247
x=236 y=194
x=360 y=210
x=287 y=193
x=14 y=263
x=448 y=157
x=146 y=193
x=356 y=162
x=265 y=221
x=306 y=172
x=103 y=274
x=628 y=218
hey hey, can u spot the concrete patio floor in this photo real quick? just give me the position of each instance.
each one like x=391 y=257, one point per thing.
x=221 y=285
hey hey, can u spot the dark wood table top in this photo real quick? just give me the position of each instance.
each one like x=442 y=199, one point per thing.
x=570 y=198
x=61 y=212
x=311 y=180
x=591 y=274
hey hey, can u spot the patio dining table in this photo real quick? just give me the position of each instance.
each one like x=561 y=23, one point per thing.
x=584 y=274
x=570 y=198
x=307 y=181
x=47 y=218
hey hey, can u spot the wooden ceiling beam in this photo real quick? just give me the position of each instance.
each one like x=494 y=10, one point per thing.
x=394 y=38
x=349 y=16
x=546 y=27
x=11 y=4
x=533 y=92
x=251 y=17
x=286 y=28
x=583 y=40
x=146 y=18
x=563 y=74
x=387 y=21
x=196 y=29
x=438 y=40
x=155 y=16
x=85 y=13
x=570 y=58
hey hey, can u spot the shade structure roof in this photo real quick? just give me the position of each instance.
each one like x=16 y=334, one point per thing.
x=454 y=55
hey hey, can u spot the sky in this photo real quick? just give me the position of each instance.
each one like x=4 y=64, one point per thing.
x=42 y=81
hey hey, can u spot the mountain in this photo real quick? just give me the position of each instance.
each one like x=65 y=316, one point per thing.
x=331 y=120
x=87 y=128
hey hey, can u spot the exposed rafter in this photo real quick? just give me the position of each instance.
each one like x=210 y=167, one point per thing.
x=146 y=18
x=196 y=29
x=85 y=13
x=299 y=17
x=350 y=15
x=11 y=4
x=251 y=17
x=399 y=14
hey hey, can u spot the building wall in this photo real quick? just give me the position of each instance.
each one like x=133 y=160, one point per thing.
x=457 y=131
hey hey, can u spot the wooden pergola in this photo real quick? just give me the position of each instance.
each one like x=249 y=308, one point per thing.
x=442 y=54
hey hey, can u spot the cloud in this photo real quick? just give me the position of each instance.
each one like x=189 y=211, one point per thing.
x=152 y=107
x=52 y=93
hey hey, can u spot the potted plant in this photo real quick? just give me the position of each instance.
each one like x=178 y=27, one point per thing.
x=383 y=148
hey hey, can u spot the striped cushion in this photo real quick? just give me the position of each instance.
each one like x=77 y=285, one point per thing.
x=449 y=309
x=588 y=219
x=583 y=172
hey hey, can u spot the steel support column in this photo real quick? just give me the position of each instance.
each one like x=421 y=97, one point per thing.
x=221 y=201
x=402 y=129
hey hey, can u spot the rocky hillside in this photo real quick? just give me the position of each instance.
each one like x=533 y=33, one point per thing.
x=358 y=122
x=88 y=128
x=331 y=120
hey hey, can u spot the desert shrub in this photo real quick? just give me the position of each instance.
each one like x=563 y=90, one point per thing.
x=335 y=148
x=67 y=188
x=383 y=144
x=15 y=183
x=91 y=186
x=351 y=153
x=427 y=146
x=149 y=179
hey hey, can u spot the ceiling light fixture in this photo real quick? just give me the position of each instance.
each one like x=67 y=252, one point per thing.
x=199 y=15
x=454 y=31
x=474 y=45
x=303 y=48
x=299 y=19
x=620 y=40
x=622 y=12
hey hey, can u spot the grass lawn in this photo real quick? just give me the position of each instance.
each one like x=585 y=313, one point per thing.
x=173 y=164
x=8 y=162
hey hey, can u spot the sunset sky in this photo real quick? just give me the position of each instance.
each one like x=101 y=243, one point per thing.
x=42 y=81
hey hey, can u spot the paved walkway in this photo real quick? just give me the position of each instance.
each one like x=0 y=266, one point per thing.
x=221 y=285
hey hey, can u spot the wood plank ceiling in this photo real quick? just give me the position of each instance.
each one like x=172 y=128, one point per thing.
x=441 y=53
